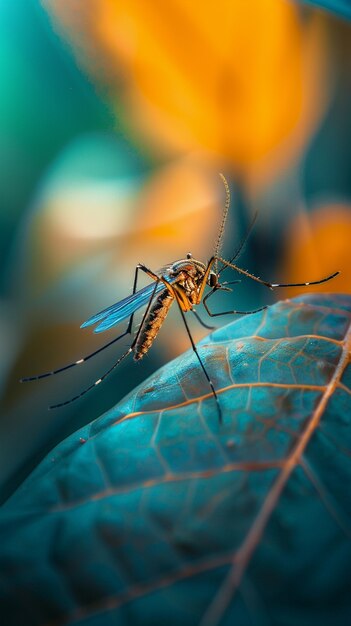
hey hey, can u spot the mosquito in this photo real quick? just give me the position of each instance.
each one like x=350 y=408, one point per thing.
x=182 y=282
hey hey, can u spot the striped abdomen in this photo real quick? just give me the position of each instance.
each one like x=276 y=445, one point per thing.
x=152 y=324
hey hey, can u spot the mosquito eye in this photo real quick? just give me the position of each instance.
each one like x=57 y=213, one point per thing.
x=213 y=280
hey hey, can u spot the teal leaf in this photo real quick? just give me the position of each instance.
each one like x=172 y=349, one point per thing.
x=157 y=514
x=340 y=7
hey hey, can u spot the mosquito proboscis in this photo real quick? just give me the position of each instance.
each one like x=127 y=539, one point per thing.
x=182 y=282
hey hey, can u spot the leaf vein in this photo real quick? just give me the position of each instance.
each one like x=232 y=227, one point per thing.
x=221 y=601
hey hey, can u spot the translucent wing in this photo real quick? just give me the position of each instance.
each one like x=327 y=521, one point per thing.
x=124 y=308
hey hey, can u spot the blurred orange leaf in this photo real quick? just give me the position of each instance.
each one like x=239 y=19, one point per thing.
x=233 y=79
x=320 y=241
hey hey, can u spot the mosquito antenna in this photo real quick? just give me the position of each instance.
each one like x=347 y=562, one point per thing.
x=242 y=243
x=218 y=243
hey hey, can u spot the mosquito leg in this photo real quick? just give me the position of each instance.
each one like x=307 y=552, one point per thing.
x=79 y=362
x=135 y=284
x=152 y=275
x=83 y=359
x=147 y=271
x=275 y=285
x=121 y=358
x=236 y=312
x=201 y=362
x=201 y=321
x=97 y=382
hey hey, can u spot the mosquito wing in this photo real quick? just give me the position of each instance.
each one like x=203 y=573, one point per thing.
x=123 y=309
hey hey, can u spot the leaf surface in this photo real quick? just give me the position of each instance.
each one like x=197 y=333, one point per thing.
x=156 y=514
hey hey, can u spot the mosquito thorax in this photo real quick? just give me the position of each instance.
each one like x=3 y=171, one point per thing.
x=189 y=275
x=188 y=267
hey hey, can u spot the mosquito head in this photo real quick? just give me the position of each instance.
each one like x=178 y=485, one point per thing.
x=189 y=255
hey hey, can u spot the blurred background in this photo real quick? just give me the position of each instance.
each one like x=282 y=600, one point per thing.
x=116 y=118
